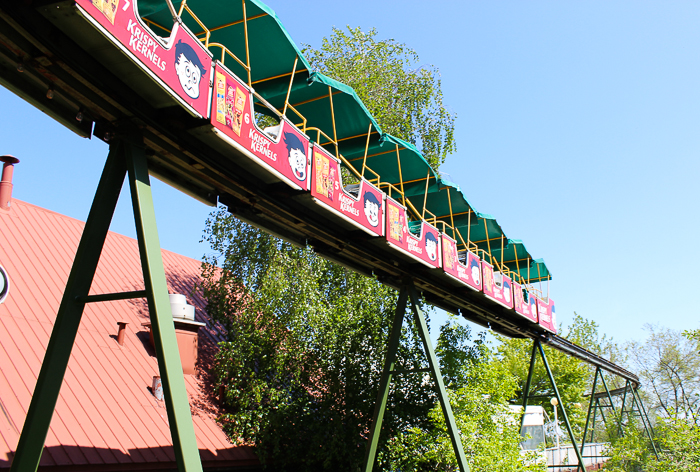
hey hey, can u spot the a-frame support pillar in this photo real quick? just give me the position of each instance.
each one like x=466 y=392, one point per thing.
x=406 y=294
x=537 y=347
x=126 y=155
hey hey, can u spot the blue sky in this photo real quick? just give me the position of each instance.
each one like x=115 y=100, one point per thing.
x=577 y=128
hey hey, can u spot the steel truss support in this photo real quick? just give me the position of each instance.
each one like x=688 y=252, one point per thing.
x=595 y=406
x=408 y=292
x=126 y=155
x=537 y=347
x=637 y=402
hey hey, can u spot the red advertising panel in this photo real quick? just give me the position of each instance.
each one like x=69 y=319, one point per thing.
x=282 y=149
x=463 y=266
x=179 y=64
x=547 y=315
x=424 y=247
x=497 y=286
x=361 y=204
x=524 y=302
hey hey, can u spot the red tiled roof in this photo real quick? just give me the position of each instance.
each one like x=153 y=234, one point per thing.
x=105 y=417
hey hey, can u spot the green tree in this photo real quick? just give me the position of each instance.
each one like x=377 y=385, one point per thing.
x=305 y=346
x=668 y=363
x=403 y=96
x=573 y=377
x=677 y=441
x=481 y=389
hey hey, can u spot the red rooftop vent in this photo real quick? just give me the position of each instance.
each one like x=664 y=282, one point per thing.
x=6 y=182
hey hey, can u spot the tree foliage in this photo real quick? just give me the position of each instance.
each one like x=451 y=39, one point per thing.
x=668 y=363
x=404 y=96
x=677 y=442
x=573 y=377
x=305 y=346
x=481 y=389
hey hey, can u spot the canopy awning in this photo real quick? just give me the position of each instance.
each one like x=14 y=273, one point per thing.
x=272 y=51
x=330 y=106
x=448 y=204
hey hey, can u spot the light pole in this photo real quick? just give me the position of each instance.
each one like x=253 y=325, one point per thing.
x=554 y=403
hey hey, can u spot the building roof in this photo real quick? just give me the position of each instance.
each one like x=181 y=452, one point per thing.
x=106 y=416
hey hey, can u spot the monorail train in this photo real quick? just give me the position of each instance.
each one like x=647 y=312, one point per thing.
x=234 y=67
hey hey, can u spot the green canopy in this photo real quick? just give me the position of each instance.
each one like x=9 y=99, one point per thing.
x=518 y=259
x=408 y=166
x=313 y=100
x=272 y=61
x=272 y=51
x=447 y=202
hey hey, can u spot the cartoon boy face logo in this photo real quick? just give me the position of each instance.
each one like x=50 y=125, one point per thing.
x=371 y=208
x=297 y=155
x=506 y=291
x=476 y=273
x=431 y=245
x=189 y=69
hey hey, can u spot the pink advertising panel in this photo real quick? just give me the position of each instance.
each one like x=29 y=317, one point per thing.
x=497 y=286
x=361 y=204
x=282 y=149
x=463 y=266
x=547 y=315
x=524 y=302
x=179 y=64
x=424 y=248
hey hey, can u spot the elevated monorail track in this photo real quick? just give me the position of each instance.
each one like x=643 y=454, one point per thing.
x=48 y=69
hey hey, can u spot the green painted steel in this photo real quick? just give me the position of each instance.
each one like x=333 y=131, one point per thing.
x=563 y=410
x=53 y=367
x=174 y=390
x=590 y=406
x=408 y=292
x=622 y=409
x=644 y=416
x=607 y=391
x=109 y=297
x=385 y=383
x=452 y=429
x=528 y=383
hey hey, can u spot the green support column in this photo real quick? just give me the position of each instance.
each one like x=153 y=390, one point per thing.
x=528 y=382
x=607 y=391
x=563 y=410
x=437 y=378
x=590 y=406
x=389 y=363
x=622 y=409
x=53 y=368
x=643 y=416
x=383 y=394
x=174 y=391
